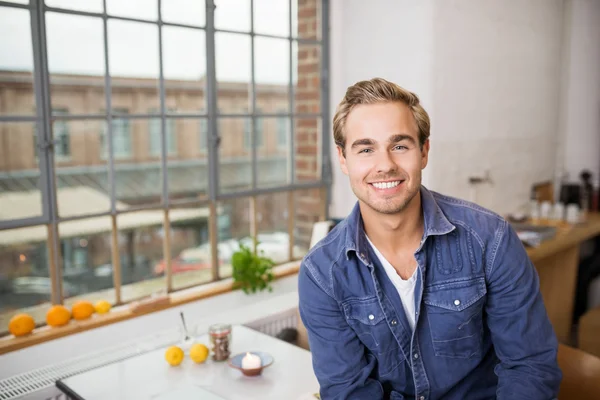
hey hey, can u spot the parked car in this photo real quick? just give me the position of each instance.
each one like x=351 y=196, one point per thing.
x=273 y=245
x=26 y=291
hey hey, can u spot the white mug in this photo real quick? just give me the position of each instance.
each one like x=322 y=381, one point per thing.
x=545 y=209
x=572 y=213
x=558 y=213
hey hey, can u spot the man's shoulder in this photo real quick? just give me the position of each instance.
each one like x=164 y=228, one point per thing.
x=327 y=252
x=469 y=215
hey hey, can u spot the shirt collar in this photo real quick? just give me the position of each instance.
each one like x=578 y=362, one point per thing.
x=434 y=219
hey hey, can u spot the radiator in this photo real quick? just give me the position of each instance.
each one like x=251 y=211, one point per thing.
x=39 y=384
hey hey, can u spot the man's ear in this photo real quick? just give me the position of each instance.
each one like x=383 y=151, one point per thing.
x=425 y=154
x=342 y=159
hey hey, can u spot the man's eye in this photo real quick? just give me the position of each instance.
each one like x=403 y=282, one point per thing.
x=400 y=147
x=365 y=151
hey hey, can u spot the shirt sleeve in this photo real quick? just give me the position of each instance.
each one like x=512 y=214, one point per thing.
x=522 y=334
x=339 y=360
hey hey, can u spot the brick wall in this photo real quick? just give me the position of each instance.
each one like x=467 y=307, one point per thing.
x=307 y=99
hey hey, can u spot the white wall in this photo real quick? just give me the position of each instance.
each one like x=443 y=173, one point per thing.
x=579 y=135
x=490 y=74
x=497 y=81
x=387 y=39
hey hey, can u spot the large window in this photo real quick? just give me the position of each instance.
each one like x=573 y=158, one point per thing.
x=92 y=206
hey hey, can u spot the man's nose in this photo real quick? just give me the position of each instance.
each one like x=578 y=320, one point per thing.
x=385 y=163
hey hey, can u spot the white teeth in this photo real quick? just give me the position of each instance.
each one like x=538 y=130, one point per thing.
x=386 y=185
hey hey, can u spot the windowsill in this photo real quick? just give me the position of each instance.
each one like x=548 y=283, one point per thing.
x=123 y=313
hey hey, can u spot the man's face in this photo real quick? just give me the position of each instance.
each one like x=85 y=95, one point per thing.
x=382 y=156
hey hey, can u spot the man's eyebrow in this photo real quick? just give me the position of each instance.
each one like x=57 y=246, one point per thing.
x=362 y=142
x=400 y=137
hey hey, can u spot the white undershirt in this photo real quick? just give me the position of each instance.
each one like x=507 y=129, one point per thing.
x=405 y=288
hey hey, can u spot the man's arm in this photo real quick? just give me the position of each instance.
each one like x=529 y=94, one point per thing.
x=338 y=356
x=522 y=335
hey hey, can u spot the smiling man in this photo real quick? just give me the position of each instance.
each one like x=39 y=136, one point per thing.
x=416 y=294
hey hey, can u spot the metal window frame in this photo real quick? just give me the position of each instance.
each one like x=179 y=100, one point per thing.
x=43 y=117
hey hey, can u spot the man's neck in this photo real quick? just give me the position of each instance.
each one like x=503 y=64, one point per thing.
x=395 y=233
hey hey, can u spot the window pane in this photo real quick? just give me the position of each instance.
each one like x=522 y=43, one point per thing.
x=82 y=176
x=188 y=12
x=306 y=19
x=235 y=166
x=233 y=71
x=233 y=15
x=17 y=96
x=190 y=247
x=85 y=248
x=188 y=171
x=272 y=219
x=309 y=209
x=18 y=1
x=138 y=180
x=88 y=5
x=141 y=237
x=233 y=224
x=20 y=195
x=307 y=78
x=307 y=146
x=77 y=83
x=184 y=68
x=61 y=138
x=25 y=284
x=203 y=136
x=272 y=158
x=133 y=53
x=155 y=128
x=122 y=137
x=272 y=17
x=272 y=69
x=141 y=9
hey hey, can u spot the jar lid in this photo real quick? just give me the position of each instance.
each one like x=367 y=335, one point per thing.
x=219 y=329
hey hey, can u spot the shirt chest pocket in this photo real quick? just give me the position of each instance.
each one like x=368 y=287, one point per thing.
x=368 y=321
x=455 y=316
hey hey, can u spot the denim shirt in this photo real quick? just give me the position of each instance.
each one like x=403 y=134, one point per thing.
x=482 y=330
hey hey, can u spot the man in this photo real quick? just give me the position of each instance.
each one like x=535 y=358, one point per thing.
x=416 y=294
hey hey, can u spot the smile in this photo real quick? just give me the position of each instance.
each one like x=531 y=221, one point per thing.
x=386 y=185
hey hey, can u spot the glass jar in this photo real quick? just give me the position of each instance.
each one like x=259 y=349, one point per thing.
x=220 y=339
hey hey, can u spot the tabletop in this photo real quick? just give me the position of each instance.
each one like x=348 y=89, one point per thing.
x=148 y=376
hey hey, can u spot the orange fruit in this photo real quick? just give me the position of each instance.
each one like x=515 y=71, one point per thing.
x=58 y=315
x=21 y=324
x=174 y=355
x=198 y=353
x=82 y=310
x=102 y=307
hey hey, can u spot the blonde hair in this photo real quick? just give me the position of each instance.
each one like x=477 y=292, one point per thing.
x=378 y=90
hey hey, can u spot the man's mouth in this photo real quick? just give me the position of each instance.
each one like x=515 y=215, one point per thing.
x=386 y=185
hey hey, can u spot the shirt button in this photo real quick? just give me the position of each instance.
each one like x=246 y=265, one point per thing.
x=416 y=356
x=371 y=317
x=456 y=302
x=394 y=322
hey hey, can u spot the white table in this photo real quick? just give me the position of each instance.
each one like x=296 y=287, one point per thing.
x=148 y=376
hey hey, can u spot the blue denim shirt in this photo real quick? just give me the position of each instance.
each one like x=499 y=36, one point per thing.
x=482 y=330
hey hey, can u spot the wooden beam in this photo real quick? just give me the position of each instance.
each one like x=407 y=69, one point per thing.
x=116 y=260
x=213 y=234
x=291 y=223
x=54 y=261
x=167 y=250
x=253 y=223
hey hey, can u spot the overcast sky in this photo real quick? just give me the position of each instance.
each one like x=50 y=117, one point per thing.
x=75 y=43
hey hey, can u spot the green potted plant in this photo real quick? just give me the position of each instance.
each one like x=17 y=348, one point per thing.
x=251 y=271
